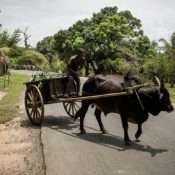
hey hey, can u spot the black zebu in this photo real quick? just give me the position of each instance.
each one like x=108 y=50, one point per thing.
x=134 y=108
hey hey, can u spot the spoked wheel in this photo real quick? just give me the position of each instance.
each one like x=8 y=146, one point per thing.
x=34 y=105
x=71 y=107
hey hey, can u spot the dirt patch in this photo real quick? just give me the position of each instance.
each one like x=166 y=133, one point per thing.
x=2 y=94
x=20 y=147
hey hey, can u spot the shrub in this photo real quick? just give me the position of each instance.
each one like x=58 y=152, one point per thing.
x=31 y=57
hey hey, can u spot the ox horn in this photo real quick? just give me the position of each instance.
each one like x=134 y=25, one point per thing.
x=158 y=84
x=158 y=81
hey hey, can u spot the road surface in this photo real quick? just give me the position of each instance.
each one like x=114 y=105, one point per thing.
x=67 y=152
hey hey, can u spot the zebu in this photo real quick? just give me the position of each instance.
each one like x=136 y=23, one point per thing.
x=133 y=108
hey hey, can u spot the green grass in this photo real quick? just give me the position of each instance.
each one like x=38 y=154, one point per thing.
x=9 y=104
x=172 y=93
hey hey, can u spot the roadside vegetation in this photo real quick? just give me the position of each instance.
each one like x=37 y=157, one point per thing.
x=172 y=93
x=9 y=104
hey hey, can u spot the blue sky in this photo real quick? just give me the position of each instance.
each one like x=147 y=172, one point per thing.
x=46 y=17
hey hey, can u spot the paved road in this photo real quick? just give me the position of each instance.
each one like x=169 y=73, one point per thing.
x=26 y=72
x=67 y=152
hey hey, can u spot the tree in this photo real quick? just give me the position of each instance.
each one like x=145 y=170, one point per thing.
x=169 y=47
x=14 y=38
x=26 y=37
x=4 y=39
x=45 y=46
x=168 y=50
x=108 y=36
x=7 y=40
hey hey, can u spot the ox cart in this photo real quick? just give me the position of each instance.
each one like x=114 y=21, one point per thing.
x=48 y=91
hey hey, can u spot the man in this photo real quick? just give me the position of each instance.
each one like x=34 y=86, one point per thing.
x=76 y=62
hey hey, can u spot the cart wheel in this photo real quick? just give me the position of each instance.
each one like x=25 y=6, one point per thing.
x=71 y=107
x=34 y=105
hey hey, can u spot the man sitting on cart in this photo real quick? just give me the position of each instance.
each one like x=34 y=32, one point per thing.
x=74 y=66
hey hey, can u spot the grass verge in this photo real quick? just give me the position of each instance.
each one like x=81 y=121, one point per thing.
x=172 y=94
x=9 y=105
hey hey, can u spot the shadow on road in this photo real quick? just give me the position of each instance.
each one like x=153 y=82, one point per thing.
x=61 y=122
x=65 y=124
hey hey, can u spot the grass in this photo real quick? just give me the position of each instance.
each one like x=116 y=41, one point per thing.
x=172 y=93
x=9 y=105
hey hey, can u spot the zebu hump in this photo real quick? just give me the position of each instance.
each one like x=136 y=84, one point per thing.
x=108 y=84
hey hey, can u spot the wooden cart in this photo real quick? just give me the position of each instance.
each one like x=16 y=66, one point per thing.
x=48 y=91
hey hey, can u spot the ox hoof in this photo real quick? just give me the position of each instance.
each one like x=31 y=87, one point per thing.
x=127 y=142
x=104 y=132
x=82 y=132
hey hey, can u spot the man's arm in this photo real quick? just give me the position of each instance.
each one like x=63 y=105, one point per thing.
x=69 y=68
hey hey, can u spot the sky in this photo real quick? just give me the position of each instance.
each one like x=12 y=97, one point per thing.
x=46 y=17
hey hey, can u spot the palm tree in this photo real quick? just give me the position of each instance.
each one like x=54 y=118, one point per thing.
x=168 y=49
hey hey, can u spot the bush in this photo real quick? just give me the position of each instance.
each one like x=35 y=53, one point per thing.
x=156 y=67
x=58 y=65
x=117 y=65
x=31 y=57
